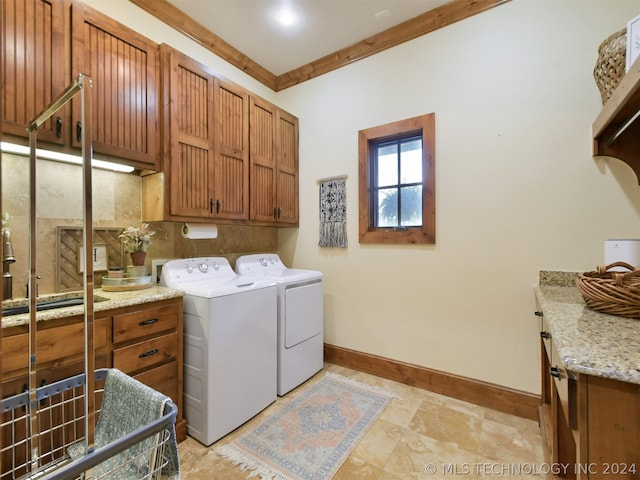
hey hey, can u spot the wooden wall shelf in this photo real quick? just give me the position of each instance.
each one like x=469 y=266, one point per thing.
x=616 y=130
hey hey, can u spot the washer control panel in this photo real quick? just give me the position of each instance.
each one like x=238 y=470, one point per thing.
x=176 y=272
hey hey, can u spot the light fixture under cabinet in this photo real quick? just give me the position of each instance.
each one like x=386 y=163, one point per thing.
x=63 y=157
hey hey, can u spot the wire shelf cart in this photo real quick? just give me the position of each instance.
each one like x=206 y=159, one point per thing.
x=49 y=455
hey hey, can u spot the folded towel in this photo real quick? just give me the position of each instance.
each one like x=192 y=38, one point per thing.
x=127 y=405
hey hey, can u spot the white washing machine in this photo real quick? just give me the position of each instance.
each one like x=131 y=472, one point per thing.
x=230 y=344
x=300 y=316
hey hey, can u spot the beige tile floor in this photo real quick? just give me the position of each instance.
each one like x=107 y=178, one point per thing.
x=421 y=435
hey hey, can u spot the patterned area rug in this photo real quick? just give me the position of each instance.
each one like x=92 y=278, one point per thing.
x=310 y=437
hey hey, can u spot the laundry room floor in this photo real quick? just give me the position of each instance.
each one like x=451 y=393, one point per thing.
x=416 y=431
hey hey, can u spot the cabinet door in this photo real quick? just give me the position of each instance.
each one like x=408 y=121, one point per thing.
x=34 y=66
x=287 y=184
x=274 y=164
x=123 y=68
x=263 y=176
x=231 y=190
x=188 y=121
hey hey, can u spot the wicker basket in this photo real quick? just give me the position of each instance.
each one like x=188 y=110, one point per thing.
x=613 y=292
x=611 y=64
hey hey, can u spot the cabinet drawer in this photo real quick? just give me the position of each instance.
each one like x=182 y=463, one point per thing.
x=150 y=321
x=51 y=344
x=164 y=379
x=145 y=354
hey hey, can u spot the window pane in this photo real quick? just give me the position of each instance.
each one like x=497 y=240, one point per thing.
x=411 y=161
x=387 y=165
x=411 y=201
x=387 y=207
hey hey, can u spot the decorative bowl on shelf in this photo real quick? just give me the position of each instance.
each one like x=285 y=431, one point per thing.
x=125 y=284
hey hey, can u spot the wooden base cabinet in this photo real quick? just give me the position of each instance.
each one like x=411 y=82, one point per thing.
x=144 y=341
x=147 y=343
x=591 y=425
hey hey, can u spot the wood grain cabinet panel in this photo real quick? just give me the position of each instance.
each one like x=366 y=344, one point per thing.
x=58 y=344
x=205 y=146
x=273 y=164
x=287 y=155
x=147 y=343
x=34 y=66
x=146 y=354
x=164 y=379
x=231 y=144
x=123 y=66
x=591 y=425
x=188 y=130
x=145 y=322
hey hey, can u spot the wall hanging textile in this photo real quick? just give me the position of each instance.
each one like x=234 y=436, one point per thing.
x=333 y=212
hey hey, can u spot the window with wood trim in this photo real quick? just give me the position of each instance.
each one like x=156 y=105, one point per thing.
x=397 y=182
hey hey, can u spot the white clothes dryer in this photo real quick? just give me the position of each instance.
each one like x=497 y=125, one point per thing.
x=300 y=316
x=230 y=344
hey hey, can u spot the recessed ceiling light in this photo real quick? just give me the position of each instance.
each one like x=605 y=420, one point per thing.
x=287 y=17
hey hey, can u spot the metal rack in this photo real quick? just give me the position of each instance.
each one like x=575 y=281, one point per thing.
x=49 y=432
x=60 y=418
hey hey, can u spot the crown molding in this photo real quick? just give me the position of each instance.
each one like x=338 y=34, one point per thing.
x=428 y=22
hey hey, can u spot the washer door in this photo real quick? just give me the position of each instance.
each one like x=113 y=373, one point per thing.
x=303 y=316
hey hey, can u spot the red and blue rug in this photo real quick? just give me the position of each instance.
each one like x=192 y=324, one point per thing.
x=310 y=437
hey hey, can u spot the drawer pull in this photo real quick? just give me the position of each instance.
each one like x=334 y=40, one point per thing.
x=555 y=372
x=149 y=353
x=150 y=321
x=538 y=313
x=545 y=335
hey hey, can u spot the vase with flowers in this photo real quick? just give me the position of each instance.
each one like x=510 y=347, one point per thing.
x=136 y=241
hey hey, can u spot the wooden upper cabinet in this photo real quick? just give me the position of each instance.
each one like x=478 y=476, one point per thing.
x=274 y=164
x=34 y=65
x=188 y=134
x=231 y=137
x=287 y=154
x=205 y=146
x=123 y=67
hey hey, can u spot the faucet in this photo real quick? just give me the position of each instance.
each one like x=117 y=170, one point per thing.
x=7 y=260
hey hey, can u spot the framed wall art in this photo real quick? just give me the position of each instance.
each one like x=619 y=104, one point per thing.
x=633 y=41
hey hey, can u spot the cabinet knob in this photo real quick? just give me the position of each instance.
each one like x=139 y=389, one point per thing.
x=538 y=313
x=545 y=335
x=554 y=372
x=58 y=127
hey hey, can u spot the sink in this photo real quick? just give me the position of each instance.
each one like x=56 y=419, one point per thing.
x=49 y=305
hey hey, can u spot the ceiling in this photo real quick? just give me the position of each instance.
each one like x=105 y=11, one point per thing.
x=324 y=26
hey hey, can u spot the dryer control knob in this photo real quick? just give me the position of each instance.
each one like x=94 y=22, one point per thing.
x=189 y=268
x=263 y=262
x=216 y=266
x=203 y=267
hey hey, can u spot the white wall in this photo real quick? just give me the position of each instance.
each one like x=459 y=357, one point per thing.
x=517 y=190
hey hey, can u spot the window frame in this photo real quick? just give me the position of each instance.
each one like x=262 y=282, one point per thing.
x=423 y=125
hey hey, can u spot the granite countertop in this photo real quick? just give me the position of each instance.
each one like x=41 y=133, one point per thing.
x=588 y=342
x=111 y=301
